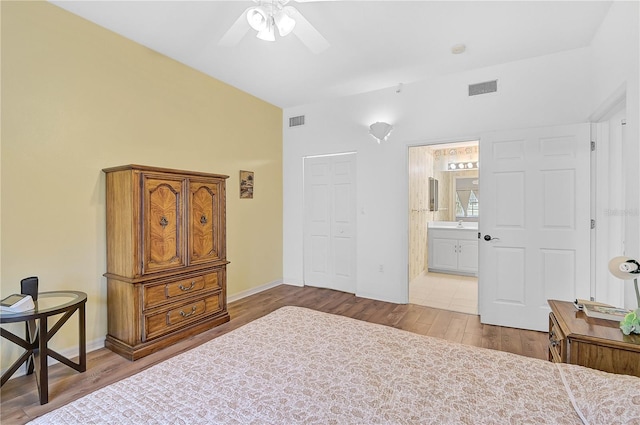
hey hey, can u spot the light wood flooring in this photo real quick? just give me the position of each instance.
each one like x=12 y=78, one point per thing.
x=19 y=397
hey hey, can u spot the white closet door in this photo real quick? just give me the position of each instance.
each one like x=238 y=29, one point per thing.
x=330 y=222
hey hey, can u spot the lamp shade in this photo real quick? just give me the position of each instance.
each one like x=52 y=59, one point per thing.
x=380 y=130
x=624 y=268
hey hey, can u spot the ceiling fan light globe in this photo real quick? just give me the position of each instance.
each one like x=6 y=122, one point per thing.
x=267 y=34
x=284 y=23
x=257 y=18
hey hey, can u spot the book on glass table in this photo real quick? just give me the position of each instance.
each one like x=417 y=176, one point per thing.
x=605 y=312
x=17 y=303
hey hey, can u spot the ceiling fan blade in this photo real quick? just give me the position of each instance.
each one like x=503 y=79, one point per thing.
x=236 y=32
x=308 y=35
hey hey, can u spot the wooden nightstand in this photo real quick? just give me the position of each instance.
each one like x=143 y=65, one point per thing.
x=595 y=343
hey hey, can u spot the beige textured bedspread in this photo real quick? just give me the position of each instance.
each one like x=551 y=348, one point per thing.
x=299 y=366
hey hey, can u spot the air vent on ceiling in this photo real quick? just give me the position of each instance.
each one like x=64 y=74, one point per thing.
x=296 y=121
x=482 y=88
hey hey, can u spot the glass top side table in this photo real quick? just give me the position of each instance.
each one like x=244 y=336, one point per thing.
x=38 y=334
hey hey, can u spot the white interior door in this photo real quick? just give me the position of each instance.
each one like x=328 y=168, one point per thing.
x=535 y=225
x=330 y=222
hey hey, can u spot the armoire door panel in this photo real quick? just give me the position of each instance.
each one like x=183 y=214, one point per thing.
x=163 y=241
x=204 y=227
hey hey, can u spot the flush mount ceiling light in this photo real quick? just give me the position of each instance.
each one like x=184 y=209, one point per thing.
x=458 y=49
x=268 y=16
x=380 y=131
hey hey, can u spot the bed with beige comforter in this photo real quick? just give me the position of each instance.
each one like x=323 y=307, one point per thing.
x=300 y=366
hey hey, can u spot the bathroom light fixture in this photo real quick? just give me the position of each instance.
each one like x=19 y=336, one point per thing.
x=268 y=16
x=380 y=131
x=626 y=268
x=463 y=166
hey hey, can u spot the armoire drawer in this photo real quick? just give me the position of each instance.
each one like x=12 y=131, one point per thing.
x=157 y=294
x=164 y=321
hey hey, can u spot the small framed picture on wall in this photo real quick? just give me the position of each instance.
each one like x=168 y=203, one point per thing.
x=246 y=184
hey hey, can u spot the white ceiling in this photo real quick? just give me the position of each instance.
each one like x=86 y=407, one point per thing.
x=374 y=44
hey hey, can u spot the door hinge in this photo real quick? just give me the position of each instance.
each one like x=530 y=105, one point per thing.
x=593 y=146
x=593 y=224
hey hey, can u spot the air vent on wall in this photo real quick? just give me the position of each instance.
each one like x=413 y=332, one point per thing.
x=296 y=121
x=482 y=88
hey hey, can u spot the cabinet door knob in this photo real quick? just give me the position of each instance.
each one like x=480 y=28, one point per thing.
x=203 y=219
x=164 y=222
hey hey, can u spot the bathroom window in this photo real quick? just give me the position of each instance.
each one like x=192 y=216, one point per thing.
x=472 y=208
x=467 y=198
x=459 y=208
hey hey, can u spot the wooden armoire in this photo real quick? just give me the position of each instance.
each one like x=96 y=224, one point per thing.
x=166 y=257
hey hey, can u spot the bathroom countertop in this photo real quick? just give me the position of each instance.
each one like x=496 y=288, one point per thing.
x=453 y=225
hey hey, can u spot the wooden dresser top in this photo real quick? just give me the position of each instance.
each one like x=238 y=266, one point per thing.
x=576 y=325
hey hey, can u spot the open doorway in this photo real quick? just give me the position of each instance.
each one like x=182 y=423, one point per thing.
x=444 y=210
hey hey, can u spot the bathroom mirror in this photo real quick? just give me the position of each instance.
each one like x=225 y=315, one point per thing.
x=433 y=194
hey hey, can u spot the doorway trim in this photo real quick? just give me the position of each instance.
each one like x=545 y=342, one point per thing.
x=600 y=119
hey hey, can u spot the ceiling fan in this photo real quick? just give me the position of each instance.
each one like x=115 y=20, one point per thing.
x=269 y=16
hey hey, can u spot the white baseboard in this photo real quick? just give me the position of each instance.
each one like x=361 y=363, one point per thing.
x=252 y=291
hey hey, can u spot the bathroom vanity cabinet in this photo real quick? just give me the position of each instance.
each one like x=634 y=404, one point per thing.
x=453 y=250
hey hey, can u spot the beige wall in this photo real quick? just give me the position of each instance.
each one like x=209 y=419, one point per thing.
x=77 y=98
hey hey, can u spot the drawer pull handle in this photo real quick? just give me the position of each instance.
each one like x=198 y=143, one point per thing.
x=164 y=222
x=203 y=219
x=187 y=288
x=183 y=314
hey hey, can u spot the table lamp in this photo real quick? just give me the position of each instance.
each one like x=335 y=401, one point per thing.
x=626 y=268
